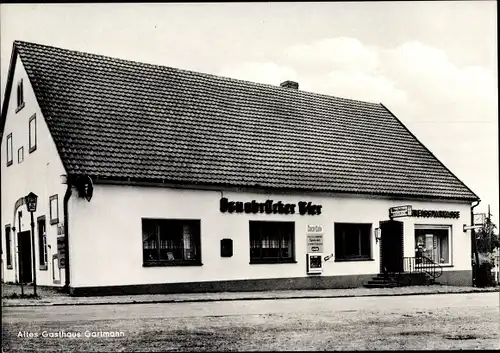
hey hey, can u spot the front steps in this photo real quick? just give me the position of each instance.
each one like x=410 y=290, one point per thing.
x=400 y=280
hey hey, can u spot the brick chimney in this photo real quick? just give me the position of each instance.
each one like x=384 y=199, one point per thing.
x=290 y=84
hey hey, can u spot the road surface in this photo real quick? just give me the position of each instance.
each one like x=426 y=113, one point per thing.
x=444 y=321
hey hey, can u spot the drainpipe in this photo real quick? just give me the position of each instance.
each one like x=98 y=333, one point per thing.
x=67 y=196
x=473 y=235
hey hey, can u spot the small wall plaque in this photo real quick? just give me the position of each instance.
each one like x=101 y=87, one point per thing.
x=226 y=247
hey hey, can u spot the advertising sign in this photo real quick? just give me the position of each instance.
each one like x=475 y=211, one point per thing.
x=479 y=219
x=314 y=228
x=400 y=211
x=314 y=238
x=61 y=252
x=60 y=229
x=314 y=264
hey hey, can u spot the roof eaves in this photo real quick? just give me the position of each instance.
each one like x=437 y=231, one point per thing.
x=432 y=154
x=41 y=105
x=8 y=88
x=157 y=182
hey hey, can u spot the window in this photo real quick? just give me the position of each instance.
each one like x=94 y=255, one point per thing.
x=20 y=155
x=433 y=242
x=171 y=242
x=42 y=243
x=32 y=133
x=272 y=242
x=352 y=241
x=20 y=96
x=10 y=156
x=8 y=247
x=54 y=209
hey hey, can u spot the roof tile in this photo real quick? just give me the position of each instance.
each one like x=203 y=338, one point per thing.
x=118 y=119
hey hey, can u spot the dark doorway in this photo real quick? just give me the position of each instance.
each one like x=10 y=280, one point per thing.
x=391 y=247
x=25 y=265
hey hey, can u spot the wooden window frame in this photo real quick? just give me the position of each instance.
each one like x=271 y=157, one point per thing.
x=9 y=148
x=42 y=244
x=273 y=260
x=20 y=150
x=20 y=96
x=196 y=261
x=340 y=243
x=52 y=219
x=8 y=246
x=32 y=146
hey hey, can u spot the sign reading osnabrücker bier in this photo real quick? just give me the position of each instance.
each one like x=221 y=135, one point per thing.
x=269 y=206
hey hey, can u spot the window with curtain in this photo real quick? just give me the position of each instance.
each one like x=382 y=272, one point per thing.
x=171 y=241
x=272 y=242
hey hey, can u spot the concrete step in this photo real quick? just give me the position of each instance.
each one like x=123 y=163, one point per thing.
x=380 y=285
x=380 y=282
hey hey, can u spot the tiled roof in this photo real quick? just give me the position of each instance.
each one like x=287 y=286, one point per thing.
x=118 y=119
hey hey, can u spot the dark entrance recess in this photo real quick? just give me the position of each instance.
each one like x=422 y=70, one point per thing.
x=25 y=265
x=391 y=246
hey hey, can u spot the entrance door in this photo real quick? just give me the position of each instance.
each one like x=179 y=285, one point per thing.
x=391 y=247
x=25 y=265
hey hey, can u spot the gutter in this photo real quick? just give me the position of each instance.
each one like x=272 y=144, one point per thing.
x=67 y=196
x=473 y=238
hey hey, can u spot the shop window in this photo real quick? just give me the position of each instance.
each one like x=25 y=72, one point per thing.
x=352 y=241
x=272 y=242
x=20 y=96
x=433 y=242
x=54 y=209
x=171 y=242
x=32 y=134
x=42 y=243
x=10 y=156
x=8 y=247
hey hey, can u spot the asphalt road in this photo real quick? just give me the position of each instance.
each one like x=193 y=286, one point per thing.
x=454 y=321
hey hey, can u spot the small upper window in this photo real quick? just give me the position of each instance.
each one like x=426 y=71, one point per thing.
x=20 y=96
x=10 y=156
x=20 y=154
x=32 y=133
x=54 y=209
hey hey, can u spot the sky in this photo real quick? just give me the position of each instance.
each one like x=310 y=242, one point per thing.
x=433 y=64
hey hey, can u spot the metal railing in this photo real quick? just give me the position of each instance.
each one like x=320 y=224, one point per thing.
x=422 y=264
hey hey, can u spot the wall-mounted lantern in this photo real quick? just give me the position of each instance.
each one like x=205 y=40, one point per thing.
x=86 y=187
x=30 y=201
x=378 y=235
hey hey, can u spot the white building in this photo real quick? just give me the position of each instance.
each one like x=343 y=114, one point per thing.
x=154 y=179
